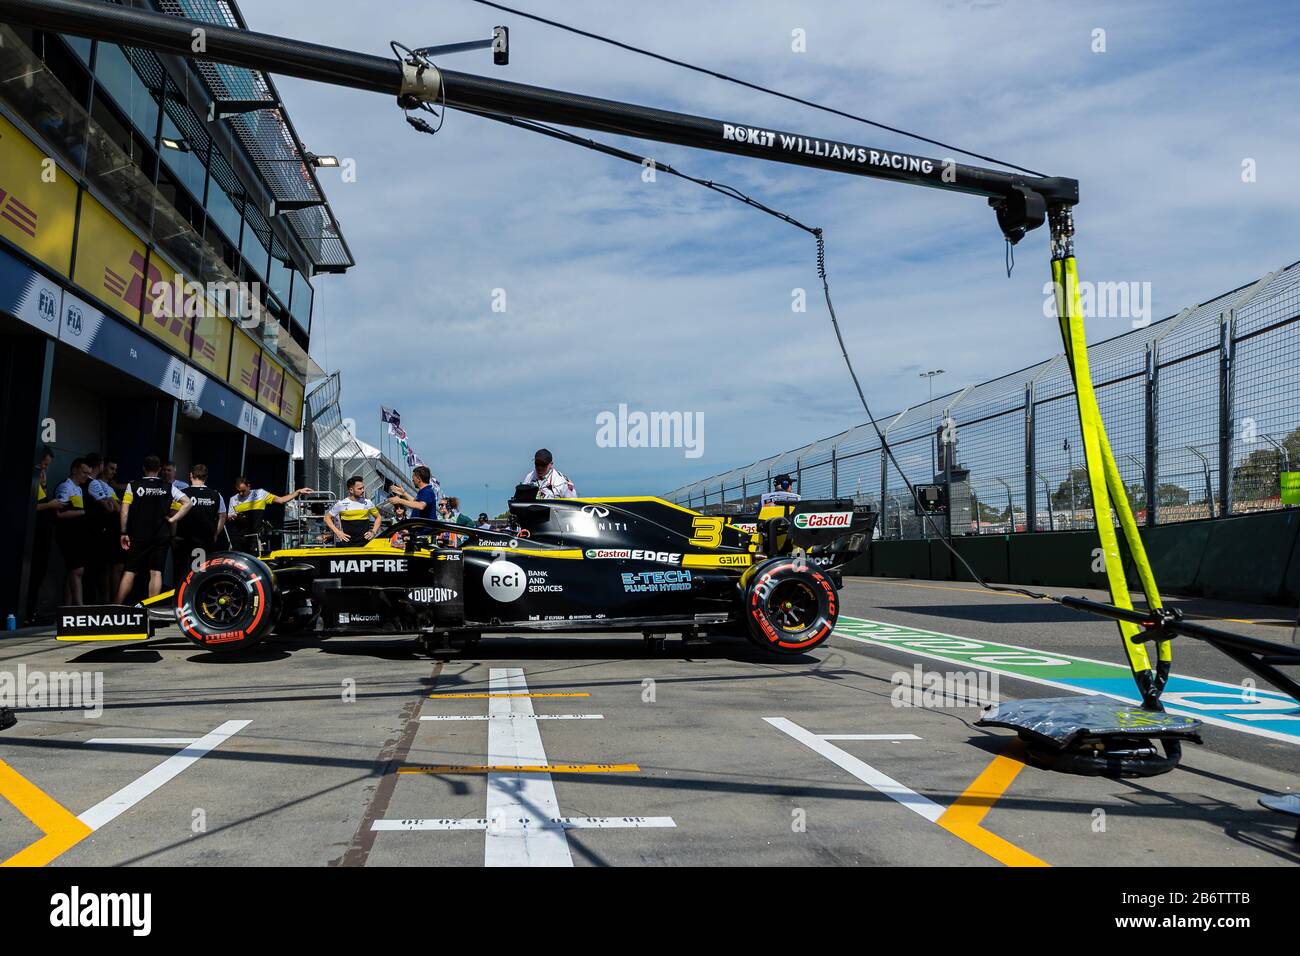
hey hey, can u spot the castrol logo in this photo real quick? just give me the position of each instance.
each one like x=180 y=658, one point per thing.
x=829 y=519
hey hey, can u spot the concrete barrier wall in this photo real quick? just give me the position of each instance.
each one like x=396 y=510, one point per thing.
x=1247 y=558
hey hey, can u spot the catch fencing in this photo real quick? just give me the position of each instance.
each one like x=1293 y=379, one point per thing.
x=332 y=453
x=1202 y=410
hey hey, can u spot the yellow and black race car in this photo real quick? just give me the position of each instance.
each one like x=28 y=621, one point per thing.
x=598 y=564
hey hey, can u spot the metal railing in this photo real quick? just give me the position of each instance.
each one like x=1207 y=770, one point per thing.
x=1202 y=410
x=332 y=453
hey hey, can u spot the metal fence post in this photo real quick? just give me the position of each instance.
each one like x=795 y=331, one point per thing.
x=835 y=474
x=1227 y=379
x=1031 y=494
x=1152 y=432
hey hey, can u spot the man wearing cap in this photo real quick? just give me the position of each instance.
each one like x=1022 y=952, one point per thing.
x=780 y=493
x=550 y=483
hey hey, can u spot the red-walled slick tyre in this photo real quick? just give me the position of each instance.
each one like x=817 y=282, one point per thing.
x=228 y=603
x=790 y=606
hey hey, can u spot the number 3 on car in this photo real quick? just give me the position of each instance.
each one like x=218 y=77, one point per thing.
x=708 y=532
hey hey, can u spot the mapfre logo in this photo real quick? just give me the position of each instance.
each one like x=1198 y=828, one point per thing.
x=363 y=565
x=829 y=519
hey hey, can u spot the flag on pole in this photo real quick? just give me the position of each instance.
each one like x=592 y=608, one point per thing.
x=389 y=415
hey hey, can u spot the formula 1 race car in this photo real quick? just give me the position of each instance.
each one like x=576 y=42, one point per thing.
x=575 y=564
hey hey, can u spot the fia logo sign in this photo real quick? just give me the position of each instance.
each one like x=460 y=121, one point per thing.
x=46 y=309
x=72 y=321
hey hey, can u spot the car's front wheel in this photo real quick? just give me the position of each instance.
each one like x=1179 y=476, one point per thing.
x=791 y=607
x=228 y=603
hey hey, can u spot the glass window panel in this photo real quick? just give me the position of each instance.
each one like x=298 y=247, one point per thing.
x=301 y=304
x=184 y=163
x=120 y=81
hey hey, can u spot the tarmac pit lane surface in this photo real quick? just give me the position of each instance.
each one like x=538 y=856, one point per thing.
x=588 y=751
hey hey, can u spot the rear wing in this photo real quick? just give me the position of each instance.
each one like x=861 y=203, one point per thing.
x=830 y=531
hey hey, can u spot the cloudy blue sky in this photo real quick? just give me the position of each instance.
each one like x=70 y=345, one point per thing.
x=665 y=296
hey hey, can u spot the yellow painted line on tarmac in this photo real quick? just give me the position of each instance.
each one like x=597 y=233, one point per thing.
x=964 y=819
x=61 y=828
x=527 y=768
x=579 y=693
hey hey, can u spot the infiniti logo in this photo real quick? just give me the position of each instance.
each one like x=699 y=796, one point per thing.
x=595 y=511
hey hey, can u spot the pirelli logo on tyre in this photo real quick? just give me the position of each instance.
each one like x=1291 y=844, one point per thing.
x=826 y=519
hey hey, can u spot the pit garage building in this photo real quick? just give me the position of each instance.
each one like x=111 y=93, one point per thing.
x=120 y=170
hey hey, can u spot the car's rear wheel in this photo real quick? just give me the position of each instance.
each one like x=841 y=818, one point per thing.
x=228 y=603
x=790 y=606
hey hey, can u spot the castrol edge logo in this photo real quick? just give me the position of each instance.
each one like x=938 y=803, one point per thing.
x=828 y=519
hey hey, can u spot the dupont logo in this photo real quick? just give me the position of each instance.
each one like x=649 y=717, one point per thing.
x=828 y=519
x=432 y=595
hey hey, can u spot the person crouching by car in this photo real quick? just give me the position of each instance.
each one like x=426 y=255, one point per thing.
x=148 y=522
x=354 y=519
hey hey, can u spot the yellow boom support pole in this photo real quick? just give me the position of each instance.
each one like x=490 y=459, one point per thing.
x=1104 y=481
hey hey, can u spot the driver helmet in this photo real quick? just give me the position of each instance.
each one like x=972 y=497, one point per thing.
x=782 y=483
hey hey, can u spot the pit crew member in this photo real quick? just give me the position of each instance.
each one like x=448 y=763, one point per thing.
x=354 y=519
x=550 y=483
x=148 y=523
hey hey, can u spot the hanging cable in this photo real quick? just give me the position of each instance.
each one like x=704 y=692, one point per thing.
x=733 y=193
x=753 y=86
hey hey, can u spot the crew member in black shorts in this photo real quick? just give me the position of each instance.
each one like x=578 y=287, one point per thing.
x=197 y=533
x=70 y=529
x=147 y=522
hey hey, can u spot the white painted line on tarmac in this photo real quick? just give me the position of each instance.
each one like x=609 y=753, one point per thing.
x=868 y=737
x=154 y=741
x=863 y=771
x=112 y=807
x=520 y=717
x=519 y=796
x=523 y=826
x=558 y=823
